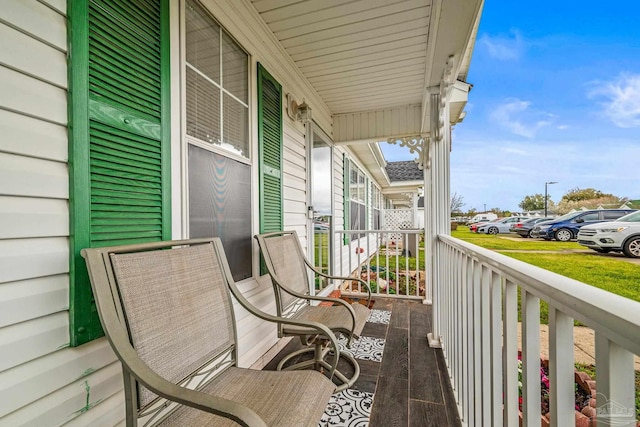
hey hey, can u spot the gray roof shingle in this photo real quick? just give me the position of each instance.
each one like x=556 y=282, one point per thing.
x=406 y=170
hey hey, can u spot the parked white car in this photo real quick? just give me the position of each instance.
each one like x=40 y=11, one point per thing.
x=501 y=226
x=621 y=235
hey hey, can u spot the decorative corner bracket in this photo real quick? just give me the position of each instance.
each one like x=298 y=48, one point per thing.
x=417 y=144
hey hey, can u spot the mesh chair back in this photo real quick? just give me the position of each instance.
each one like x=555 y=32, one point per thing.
x=177 y=308
x=286 y=257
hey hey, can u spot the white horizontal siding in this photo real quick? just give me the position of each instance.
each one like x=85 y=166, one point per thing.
x=25 y=94
x=32 y=339
x=22 y=217
x=31 y=381
x=30 y=56
x=26 y=176
x=32 y=137
x=33 y=298
x=71 y=401
x=22 y=259
x=37 y=20
x=58 y=5
x=40 y=377
x=110 y=412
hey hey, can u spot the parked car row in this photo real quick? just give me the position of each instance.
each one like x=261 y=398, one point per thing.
x=603 y=230
x=499 y=225
x=566 y=227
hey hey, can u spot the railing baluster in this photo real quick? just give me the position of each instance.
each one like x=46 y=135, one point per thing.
x=469 y=356
x=387 y=264
x=531 y=385
x=458 y=332
x=615 y=399
x=510 y=349
x=464 y=332
x=406 y=263
x=477 y=339
x=497 y=416
x=561 y=376
x=485 y=340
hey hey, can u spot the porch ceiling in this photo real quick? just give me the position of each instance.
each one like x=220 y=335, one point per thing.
x=359 y=55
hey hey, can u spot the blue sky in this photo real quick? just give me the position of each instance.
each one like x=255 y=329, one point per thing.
x=556 y=97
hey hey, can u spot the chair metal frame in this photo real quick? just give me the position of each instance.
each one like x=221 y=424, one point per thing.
x=315 y=343
x=135 y=370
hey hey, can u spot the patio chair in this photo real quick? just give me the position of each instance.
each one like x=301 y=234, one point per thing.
x=166 y=310
x=287 y=266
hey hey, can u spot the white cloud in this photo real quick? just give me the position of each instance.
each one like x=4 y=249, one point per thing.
x=507 y=48
x=622 y=106
x=516 y=116
x=562 y=127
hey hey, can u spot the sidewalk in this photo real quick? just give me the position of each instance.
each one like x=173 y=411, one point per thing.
x=583 y=344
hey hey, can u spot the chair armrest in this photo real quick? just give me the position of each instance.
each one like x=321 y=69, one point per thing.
x=318 y=272
x=131 y=361
x=322 y=329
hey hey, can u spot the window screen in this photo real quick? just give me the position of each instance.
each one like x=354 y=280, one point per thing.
x=220 y=205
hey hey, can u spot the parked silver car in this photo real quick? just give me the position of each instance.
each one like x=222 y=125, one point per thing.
x=621 y=235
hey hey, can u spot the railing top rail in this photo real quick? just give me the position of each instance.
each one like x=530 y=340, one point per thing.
x=405 y=230
x=615 y=316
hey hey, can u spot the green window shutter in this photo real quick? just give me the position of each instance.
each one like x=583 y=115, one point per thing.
x=270 y=151
x=346 y=186
x=119 y=136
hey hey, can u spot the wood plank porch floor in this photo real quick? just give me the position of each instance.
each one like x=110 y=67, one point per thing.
x=410 y=385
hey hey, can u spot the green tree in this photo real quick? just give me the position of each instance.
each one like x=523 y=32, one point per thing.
x=532 y=203
x=579 y=194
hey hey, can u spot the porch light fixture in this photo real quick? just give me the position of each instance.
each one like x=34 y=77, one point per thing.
x=304 y=112
x=298 y=112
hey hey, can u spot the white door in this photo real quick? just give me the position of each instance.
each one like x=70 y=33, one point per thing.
x=320 y=203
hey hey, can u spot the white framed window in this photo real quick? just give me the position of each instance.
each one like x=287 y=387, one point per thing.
x=219 y=159
x=358 y=199
x=377 y=206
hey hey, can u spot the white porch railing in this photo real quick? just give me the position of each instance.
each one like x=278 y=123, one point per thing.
x=391 y=261
x=475 y=307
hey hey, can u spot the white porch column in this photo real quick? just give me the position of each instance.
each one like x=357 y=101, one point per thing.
x=439 y=188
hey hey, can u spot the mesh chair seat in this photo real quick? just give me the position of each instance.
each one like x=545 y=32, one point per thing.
x=334 y=317
x=166 y=309
x=283 y=399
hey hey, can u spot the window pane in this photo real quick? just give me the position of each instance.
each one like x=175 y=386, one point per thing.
x=590 y=217
x=220 y=205
x=203 y=41
x=203 y=108
x=235 y=127
x=357 y=213
x=234 y=69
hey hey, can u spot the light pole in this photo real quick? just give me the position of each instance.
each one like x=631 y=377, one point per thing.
x=545 y=195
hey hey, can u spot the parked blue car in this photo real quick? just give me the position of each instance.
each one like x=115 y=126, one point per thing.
x=566 y=227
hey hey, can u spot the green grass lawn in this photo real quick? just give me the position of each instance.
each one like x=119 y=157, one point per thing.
x=498 y=242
